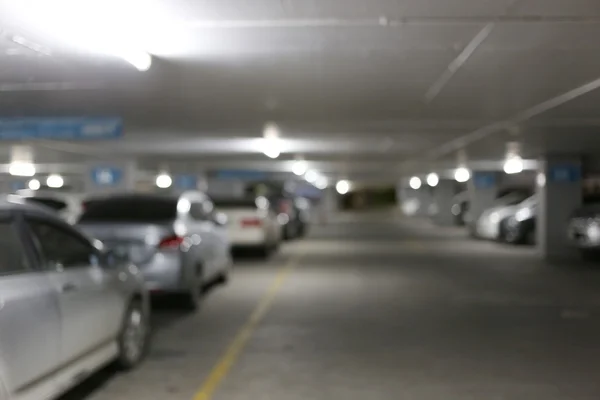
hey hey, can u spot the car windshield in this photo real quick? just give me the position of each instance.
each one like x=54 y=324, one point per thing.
x=55 y=204
x=130 y=209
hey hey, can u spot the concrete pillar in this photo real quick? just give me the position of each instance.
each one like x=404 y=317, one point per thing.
x=483 y=191
x=424 y=197
x=559 y=188
x=106 y=177
x=226 y=187
x=443 y=197
x=329 y=205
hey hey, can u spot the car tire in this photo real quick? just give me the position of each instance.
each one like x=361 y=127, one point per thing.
x=134 y=336
x=192 y=299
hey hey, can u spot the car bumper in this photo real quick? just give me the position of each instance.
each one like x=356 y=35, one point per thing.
x=163 y=272
x=487 y=229
x=248 y=238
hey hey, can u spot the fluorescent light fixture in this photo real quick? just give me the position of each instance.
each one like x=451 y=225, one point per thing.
x=21 y=168
x=34 y=184
x=415 y=182
x=462 y=174
x=513 y=165
x=272 y=151
x=164 y=181
x=311 y=176
x=299 y=168
x=55 y=181
x=321 y=183
x=342 y=187
x=433 y=179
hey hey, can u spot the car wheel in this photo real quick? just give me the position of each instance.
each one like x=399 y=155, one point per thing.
x=134 y=338
x=193 y=298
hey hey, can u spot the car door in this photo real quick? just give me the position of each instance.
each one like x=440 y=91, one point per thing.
x=29 y=313
x=91 y=306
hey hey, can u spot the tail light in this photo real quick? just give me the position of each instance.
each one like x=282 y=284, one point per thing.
x=170 y=242
x=251 y=222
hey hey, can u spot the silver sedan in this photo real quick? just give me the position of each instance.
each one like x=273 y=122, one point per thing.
x=67 y=306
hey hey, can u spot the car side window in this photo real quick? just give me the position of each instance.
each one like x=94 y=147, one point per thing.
x=14 y=259
x=62 y=247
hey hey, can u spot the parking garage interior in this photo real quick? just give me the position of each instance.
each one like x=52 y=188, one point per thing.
x=394 y=199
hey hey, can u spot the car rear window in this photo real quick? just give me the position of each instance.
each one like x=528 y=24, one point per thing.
x=56 y=205
x=235 y=203
x=130 y=209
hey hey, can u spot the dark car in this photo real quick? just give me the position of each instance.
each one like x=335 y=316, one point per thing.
x=293 y=214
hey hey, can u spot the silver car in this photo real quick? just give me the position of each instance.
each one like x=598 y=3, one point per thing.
x=67 y=306
x=176 y=241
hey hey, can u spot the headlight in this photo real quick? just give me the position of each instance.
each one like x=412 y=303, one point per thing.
x=494 y=218
x=523 y=214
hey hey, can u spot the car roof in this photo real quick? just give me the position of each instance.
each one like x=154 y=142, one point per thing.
x=16 y=202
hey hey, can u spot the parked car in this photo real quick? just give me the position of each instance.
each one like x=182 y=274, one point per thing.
x=519 y=227
x=251 y=223
x=292 y=218
x=69 y=206
x=68 y=306
x=583 y=228
x=489 y=223
x=175 y=240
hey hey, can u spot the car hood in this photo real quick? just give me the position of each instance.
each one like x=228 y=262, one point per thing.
x=501 y=211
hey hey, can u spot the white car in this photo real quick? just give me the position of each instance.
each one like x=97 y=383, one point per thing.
x=68 y=206
x=251 y=223
x=490 y=222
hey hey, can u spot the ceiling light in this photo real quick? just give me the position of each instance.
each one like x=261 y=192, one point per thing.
x=299 y=168
x=433 y=179
x=272 y=151
x=415 y=182
x=462 y=174
x=55 y=181
x=164 y=181
x=540 y=179
x=342 y=187
x=311 y=176
x=34 y=184
x=21 y=168
x=513 y=165
x=321 y=183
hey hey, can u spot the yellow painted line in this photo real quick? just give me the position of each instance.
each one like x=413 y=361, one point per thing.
x=228 y=359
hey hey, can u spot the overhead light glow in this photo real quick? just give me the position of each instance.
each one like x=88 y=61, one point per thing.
x=321 y=183
x=342 y=187
x=415 y=182
x=540 y=179
x=513 y=165
x=433 y=179
x=21 y=168
x=299 y=168
x=462 y=174
x=34 y=184
x=164 y=181
x=311 y=176
x=272 y=151
x=55 y=181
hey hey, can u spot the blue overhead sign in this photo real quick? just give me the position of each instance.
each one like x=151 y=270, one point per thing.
x=484 y=180
x=186 y=182
x=246 y=175
x=61 y=128
x=564 y=173
x=106 y=176
x=15 y=186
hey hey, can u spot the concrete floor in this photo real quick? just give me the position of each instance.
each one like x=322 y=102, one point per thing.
x=384 y=309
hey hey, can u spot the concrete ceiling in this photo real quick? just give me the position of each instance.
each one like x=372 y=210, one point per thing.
x=380 y=87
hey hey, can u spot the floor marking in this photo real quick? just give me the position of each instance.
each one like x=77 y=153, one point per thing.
x=228 y=359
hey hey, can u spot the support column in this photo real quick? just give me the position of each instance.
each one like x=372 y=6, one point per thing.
x=443 y=197
x=110 y=177
x=559 y=188
x=483 y=192
x=329 y=205
x=226 y=187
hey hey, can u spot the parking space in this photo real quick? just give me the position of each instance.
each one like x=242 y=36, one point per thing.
x=360 y=316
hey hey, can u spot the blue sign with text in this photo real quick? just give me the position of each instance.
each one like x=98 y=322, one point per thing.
x=107 y=176
x=242 y=174
x=186 y=182
x=61 y=128
x=484 y=180
x=17 y=185
x=564 y=173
